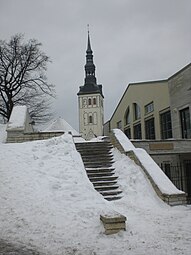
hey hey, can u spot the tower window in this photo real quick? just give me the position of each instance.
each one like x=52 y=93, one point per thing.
x=94 y=101
x=90 y=119
x=89 y=101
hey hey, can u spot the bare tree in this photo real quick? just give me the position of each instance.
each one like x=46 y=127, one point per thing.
x=22 y=78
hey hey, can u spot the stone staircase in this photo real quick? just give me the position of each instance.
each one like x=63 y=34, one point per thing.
x=98 y=162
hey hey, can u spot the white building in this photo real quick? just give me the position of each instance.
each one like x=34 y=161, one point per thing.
x=90 y=101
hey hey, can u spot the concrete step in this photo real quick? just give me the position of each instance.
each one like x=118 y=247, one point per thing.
x=106 y=188
x=99 y=174
x=99 y=179
x=111 y=198
x=98 y=161
x=98 y=164
x=93 y=144
x=104 y=183
x=95 y=162
x=99 y=152
x=110 y=193
x=94 y=158
x=101 y=156
x=100 y=170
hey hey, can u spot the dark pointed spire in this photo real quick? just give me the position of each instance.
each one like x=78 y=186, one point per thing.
x=89 y=66
x=90 y=83
x=89 y=50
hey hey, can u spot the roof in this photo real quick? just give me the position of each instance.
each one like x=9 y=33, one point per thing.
x=136 y=83
x=90 y=89
x=181 y=70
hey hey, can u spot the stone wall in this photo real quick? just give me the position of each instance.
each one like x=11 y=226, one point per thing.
x=180 y=98
x=19 y=137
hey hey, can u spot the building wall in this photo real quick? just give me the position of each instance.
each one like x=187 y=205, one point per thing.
x=180 y=97
x=89 y=129
x=142 y=94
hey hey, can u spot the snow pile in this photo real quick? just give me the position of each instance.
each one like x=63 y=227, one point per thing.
x=48 y=202
x=158 y=176
x=46 y=197
x=18 y=118
x=61 y=125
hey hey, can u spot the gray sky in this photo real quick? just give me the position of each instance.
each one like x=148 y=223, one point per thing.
x=132 y=40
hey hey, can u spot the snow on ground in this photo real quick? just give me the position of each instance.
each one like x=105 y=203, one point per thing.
x=48 y=202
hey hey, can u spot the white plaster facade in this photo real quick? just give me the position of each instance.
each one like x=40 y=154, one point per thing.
x=91 y=115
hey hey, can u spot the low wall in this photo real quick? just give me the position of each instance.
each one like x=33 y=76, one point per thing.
x=20 y=137
x=171 y=199
x=116 y=142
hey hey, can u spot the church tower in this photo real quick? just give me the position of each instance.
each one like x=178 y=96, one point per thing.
x=90 y=100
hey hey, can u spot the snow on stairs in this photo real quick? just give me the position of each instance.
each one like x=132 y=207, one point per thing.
x=98 y=161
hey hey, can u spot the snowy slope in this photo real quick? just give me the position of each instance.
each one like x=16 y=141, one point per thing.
x=48 y=202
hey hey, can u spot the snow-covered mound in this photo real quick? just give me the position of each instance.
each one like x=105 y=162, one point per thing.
x=60 y=125
x=48 y=202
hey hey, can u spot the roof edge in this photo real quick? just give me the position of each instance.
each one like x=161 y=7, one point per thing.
x=136 y=83
x=178 y=72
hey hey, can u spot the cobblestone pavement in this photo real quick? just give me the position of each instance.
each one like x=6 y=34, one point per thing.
x=7 y=248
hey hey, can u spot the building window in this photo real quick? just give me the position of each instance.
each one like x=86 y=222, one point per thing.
x=150 y=129
x=119 y=124
x=128 y=132
x=137 y=111
x=167 y=169
x=127 y=116
x=166 y=127
x=185 y=123
x=94 y=101
x=149 y=108
x=89 y=101
x=137 y=131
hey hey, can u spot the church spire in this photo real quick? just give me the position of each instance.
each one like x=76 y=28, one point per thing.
x=89 y=66
x=89 y=50
x=90 y=84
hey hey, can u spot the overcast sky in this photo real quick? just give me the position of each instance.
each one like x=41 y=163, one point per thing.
x=132 y=40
